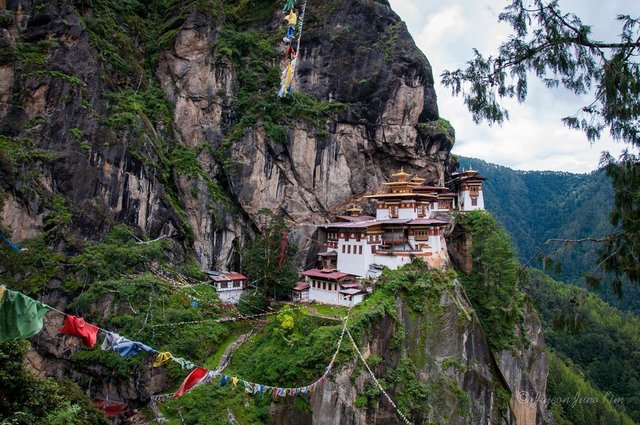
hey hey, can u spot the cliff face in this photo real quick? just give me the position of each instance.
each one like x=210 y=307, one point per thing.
x=446 y=348
x=164 y=117
x=525 y=370
x=114 y=155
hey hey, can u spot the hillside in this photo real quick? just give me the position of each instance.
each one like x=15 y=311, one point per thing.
x=535 y=206
x=602 y=341
x=139 y=143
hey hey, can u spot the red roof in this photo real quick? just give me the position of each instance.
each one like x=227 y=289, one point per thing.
x=365 y=224
x=352 y=291
x=225 y=276
x=395 y=221
x=301 y=286
x=352 y=225
x=328 y=274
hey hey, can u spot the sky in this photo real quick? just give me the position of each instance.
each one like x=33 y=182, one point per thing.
x=533 y=138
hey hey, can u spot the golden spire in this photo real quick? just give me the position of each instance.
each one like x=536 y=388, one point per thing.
x=401 y=176
x=354 y=210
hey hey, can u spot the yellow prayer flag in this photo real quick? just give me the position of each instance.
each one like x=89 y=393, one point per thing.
x=162 y=358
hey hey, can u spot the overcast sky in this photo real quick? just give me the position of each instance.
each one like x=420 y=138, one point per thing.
x=534 y=138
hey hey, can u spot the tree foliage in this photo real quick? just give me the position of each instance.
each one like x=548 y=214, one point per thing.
x=621 y=252
x=492 y=286
x=600 y=340
x=560 y=50
x=26 y=399
x=573 y=400
x=262 y=258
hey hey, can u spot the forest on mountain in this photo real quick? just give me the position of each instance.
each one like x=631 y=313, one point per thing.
x=535 y=206
x=592 y=341
x=600 y=341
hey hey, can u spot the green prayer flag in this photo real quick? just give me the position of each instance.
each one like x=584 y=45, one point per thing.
x=20 y=316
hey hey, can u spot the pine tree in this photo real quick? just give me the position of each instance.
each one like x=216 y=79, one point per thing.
x=560 y=50
x=264 y=260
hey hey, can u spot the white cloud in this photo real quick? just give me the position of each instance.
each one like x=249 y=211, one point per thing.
x=534 y=138
x=442 y=27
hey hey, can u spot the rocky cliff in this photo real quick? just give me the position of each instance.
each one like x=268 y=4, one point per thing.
x=166 y=118
x=437 y=365
x=163 y=116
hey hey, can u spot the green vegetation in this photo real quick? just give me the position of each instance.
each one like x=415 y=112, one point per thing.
x=291 y=350
x=7 y=18
x=414 y=394
x=597 y=338
x=559 y=49
x=26 y=399
x=117 y=30
x=32 y=270
x=60 y=216
x=574 y=401
x=17 y=153
x=621 y=251
x=71 y=79
x=210 y=405
x=34 y=56
x=420 y=287
x=262 y=258
x=445 y=125
x=441 y=126
x=76 y=133
x=129 y=107
x=388 y=41
x=493 y=285
x=149 y=309
x=255 y=60
x=538 y=205
x=292 y=356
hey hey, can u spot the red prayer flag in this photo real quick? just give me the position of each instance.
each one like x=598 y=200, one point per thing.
x=283 y=249
x=192 y=380
x=110 y=408
x=78 y=327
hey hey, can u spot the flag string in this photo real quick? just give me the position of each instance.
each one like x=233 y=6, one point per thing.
x=205 y=375
x=375 y=380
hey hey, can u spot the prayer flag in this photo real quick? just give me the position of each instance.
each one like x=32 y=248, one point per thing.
x=76 y=326
x=111 y=339
x=184 y=364
x=162 y=358
x=191 y=381
x=20 y=316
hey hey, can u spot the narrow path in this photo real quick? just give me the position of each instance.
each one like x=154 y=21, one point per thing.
x=231 y=417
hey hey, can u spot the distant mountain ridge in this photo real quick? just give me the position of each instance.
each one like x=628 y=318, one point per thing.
x=535 y=206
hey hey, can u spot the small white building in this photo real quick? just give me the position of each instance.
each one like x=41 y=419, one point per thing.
x=300 y=292
x=329 y=286
x=229 y=285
